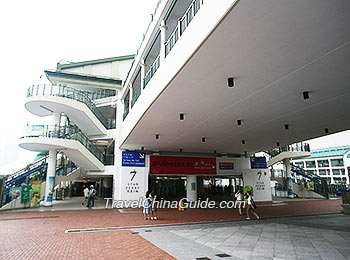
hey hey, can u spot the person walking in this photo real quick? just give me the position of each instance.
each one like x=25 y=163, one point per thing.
x=251 y=206
x=92 y=194
x=86 y=196
x=147 y=207
x=153 y=197
x=239 y=201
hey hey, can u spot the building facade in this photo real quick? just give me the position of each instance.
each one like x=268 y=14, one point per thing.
x=332 y=163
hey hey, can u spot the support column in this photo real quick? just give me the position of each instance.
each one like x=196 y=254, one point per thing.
x=191 y=188
x=286 y=163
x=50 y=177
x=162 y=28
x=56 y=118
x=143 y=74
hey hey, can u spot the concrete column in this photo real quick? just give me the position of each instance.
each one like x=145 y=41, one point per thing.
x=162 y=28
x=286 y=163
x=191 y=188
x=56 y=118
x=50 y=177
x=143 y=74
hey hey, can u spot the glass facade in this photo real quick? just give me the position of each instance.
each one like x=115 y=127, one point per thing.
x=322 y=163
x=337 y=162
x=324 y=172
x=310 y=164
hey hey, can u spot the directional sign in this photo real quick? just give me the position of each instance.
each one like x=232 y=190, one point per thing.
x=258 y=163
x=133 y=159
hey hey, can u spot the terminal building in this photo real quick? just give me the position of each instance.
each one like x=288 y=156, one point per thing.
x=332 y=163
x=212 y=83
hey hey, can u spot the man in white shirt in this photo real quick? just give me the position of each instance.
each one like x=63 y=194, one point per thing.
x=86 y=195
x=239 y=201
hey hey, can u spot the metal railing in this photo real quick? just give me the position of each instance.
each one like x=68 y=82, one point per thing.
x=135 y=97
x=126 y=112
x=297 y=147
x=172 y=40
x=152 y=70
x=67 y=132
x=183 y=23
x=35 y=171
x=189 y=14
x=71 y=93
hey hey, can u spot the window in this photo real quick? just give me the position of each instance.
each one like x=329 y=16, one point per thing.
x=338 y=172
x=337 y=162
x=310 y=164
x=323 y=163
x=324 y=172
x=299 y=164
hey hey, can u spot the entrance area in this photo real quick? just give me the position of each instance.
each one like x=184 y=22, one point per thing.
x=216 y=188
x=168 y=187
x=219 y=188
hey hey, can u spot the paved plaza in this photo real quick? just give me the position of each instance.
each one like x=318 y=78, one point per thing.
x=307 y=237
x=312 y=229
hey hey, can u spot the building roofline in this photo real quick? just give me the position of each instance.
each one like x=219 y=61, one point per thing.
x=93 y=62
x=84 y=77
x=331 y=148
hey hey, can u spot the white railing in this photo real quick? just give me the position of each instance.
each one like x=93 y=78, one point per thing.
x=152 y=70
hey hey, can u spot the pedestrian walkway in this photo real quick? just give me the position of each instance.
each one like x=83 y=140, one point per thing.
x=308 y=237
x=42 y=234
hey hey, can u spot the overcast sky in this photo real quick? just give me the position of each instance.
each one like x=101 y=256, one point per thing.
x=35 y=35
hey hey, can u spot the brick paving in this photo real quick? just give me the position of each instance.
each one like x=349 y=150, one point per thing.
x=40 y=235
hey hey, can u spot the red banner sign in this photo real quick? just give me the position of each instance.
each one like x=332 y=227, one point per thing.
x=175 y=165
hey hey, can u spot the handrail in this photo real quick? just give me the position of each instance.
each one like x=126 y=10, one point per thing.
x=71 y=93
x=143 y=39
x=66 y=132
x=152 y=70
x=297 y=147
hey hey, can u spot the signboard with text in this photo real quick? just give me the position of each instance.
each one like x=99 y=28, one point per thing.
x=258 y=163
x=175 y=165
x=133 y=159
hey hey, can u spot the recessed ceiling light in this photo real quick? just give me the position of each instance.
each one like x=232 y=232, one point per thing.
x=239 y=122
x=306 y=95
x=157 y=136
x=278 y=143
x=203 y=139
x=326 y=130
x=182 y=116
x=231 y=82
x=243 y=141
x=286 y=127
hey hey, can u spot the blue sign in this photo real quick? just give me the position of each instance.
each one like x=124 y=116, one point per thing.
x=258 y=163
x=133 y=159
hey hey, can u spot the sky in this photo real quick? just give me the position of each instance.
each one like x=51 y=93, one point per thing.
x=35 y=35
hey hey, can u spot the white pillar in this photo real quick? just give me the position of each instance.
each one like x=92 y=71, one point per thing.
x=143 y=74
x=286 y=163
x=56 y=118
x=117 y=177
x=191 y=188
x=162 y=28
x=50 y=177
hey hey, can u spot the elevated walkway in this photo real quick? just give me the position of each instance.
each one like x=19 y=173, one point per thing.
x=45 y=100
x=70 y=141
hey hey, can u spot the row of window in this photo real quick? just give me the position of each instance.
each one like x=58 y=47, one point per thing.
x=320 y=163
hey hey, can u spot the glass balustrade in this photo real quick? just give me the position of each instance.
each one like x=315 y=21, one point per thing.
x=64 y=132
x=71 y=93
